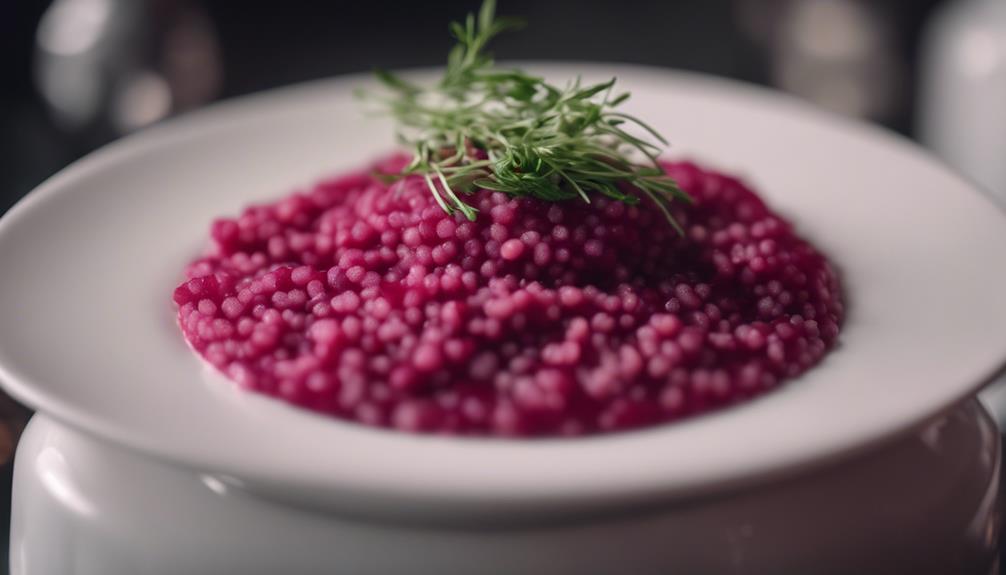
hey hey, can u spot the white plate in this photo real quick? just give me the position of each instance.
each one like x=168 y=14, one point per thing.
x=90 y=259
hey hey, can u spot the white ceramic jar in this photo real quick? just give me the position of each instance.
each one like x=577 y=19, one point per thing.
x=926 y=503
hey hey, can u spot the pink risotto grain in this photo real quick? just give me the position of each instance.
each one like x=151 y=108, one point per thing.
x=367 y=302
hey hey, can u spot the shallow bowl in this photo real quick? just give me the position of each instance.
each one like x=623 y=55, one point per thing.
x=92 y=255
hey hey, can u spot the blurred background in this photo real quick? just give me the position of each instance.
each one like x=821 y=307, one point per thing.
x=80 y=73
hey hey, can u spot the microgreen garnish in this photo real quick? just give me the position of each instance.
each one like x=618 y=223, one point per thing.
x=485 y=127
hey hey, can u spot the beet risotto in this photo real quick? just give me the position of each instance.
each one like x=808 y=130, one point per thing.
x=369 y=302
x=531 y=269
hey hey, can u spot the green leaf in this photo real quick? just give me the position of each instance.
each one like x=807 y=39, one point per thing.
x=522 y=92
x=396 y=83
x=619 y=99
x=455 y=56
x=490 y=184
x=591 y=91
x=487 y=13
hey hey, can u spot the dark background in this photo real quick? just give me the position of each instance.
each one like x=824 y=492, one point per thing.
x=267 y=44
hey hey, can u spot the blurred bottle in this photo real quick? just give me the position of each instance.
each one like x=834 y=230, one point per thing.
x=839 y=54
x=963 y=99
x=108 y=67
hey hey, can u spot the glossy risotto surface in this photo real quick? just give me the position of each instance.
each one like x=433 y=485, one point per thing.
x=365 y=301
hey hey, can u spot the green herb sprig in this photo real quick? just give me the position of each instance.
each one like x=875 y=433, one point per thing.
x=483 y=127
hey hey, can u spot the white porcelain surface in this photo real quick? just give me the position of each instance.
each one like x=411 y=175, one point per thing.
x=91 y=257
x=110 y=512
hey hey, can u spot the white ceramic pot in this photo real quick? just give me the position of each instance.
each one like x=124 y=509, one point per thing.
x=925 y=503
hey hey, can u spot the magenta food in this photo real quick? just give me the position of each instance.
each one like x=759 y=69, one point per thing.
x=367 y=302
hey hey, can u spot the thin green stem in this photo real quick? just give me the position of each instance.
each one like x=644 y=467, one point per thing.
x=538 y=140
